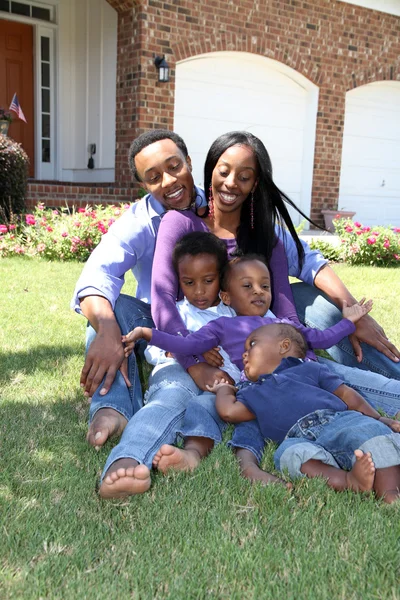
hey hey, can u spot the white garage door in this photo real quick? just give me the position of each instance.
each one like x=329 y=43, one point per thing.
x=370 y=175
x=226 y=91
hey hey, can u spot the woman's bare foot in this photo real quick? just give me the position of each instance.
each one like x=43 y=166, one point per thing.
x=362 y=475
x=254 y=473
x=106 y=423
x=169 y=457
x=124 y=478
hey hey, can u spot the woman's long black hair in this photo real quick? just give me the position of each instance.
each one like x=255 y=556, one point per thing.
x=269 y=201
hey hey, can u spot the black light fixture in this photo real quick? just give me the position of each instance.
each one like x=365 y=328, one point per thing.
x=163 y=68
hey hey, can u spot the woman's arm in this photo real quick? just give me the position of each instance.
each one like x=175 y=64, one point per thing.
x=367 y=329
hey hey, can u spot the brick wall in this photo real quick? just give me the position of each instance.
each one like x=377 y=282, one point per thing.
x=337 y=46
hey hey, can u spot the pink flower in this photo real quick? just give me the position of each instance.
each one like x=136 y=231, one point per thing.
x=101 y=227
x=64 y=234
x=111 y=221
x=81 y=210
x=357 y=224
x=117 y=212
x=11 y=227
x=375 y=233
x=366 y=229
x=386 y=243
x=396 y=229
x=126 y=206
x=12 y=237
x=48 y=228
x=41 y=247
x=40 y=206
x=3 y=229
x=43 y=222
x=30 y=220
x=55 y=213
x=371 y=240
x=355 y=248
x=359 y=232
x=397 y=256
x=348 y=228
x=77 y=223
x=19 y=250
x=76 y=240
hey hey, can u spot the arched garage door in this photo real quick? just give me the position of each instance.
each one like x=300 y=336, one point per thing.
x=370 y=174
x=225 y=91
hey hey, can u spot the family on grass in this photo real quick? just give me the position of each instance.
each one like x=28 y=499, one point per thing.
x=231 y=340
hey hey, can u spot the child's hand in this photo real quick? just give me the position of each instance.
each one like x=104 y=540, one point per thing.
x=219 y=383
x=392 y=423
x=129 y=340
x=213 y=358
x=358 y=310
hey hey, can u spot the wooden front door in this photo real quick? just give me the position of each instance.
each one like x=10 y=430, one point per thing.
x=16 y=76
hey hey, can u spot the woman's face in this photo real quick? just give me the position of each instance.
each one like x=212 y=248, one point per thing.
x=234 y=178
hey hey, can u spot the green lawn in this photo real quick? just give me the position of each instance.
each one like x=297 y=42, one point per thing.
x=204 y=535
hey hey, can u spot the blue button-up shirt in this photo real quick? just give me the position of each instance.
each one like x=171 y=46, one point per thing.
x=129 y=245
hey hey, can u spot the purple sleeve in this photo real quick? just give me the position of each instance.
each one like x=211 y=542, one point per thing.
x=198 y=342
x=164 y=283
x=327 y=337
x=282 y=298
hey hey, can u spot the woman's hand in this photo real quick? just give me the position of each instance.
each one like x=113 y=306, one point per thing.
x=213 y=358
x=370 y=332
x=204 y=375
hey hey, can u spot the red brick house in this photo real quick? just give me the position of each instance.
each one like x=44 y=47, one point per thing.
x=317 y=80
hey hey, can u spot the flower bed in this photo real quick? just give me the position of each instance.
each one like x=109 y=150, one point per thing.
x=58 y=234
x=364 y=245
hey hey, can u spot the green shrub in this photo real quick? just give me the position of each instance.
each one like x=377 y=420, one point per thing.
x=58 y=234
x=14 y=164
x=330 y=252
x=364 y=245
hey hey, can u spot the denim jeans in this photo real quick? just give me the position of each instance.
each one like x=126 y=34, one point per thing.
x=316 y=310
x=130 y=313
x=326 y=434
x=170 y=390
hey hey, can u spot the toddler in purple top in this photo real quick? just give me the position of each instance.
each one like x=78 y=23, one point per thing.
x=324 y=425
x=245 y=286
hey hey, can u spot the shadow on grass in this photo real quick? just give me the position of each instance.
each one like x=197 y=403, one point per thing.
x=41 y=358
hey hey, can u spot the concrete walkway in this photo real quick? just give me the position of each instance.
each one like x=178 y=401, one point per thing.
x=317 y=234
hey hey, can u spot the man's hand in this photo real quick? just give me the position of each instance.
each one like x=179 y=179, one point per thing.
x=104 y=358
x=213 y=358
x=370 y=332
x=392 y=423
x=204 y=375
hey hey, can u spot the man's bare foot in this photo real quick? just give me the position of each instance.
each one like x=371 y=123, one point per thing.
x=254 y=473
x=106 y=423
x=124 y=478
x=169 y=457
x=362 y=475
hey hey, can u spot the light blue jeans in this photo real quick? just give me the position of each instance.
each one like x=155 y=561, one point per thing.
x=331 y=437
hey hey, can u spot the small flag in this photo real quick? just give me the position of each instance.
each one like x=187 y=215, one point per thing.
x=16 y=108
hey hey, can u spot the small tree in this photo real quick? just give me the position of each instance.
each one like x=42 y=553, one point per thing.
x=14 y=163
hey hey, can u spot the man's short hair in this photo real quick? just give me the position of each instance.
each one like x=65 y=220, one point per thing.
x=150 y=137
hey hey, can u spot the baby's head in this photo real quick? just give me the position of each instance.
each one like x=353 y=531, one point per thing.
x=246 y=286
x=198 y=259
x=267 y=346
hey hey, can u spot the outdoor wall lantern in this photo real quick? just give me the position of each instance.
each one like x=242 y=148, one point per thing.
x=163 y=68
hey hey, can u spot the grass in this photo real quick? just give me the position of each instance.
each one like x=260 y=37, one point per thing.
x=209 y=534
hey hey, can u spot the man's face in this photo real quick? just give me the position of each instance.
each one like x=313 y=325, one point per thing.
x=166 y=174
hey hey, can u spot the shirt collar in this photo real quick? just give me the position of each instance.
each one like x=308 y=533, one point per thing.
x=286 y=363
x=156 y=209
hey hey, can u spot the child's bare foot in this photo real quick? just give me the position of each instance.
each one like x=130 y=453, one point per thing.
x=391 y=496
x=106 y=423
x=362 y=475
x=124 y=478
x=254 y=473
x=169 y=457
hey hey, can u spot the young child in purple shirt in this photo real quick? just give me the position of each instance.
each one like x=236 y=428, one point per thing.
x=245 y=287
x=323 y=425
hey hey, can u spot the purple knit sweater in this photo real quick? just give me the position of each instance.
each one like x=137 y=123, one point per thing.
x=231 y=334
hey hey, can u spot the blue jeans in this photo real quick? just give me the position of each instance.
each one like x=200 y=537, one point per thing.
x=130 y=313
x=331 y=437
x=170 y=390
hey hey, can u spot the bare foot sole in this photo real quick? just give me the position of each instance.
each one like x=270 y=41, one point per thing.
x=254 y=473
x=362 y=475
x=106 y=423
x=125 y=478
x=169 y=457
